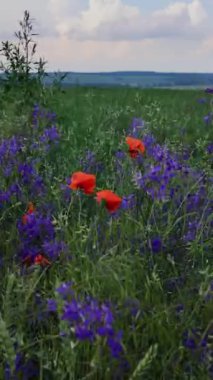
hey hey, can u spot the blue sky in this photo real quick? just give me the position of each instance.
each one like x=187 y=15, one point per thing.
x=106 y=35
x=150 y=5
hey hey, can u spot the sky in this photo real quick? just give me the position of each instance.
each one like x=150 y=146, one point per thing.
x=117 y=35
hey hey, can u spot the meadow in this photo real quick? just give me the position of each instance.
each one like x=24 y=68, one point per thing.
x=116 y=289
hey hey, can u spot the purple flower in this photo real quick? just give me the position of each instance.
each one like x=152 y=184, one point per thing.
x=115 y=345
x=156 y=245
x=179 y=309
x=4 y=197
x=90 y=319
x=90 y=164
x=189 y=343
x=37 y=236
x=202 y=100
x=128 y=202
x=25 y=369
x=83 y=333
x=53 y=248
x=209 y=91
x=120 y=155
x=208 y=118
x=66 y=191
x=50 y=135
x=51 y=305
x=65 y=289
x=27 y=171
x=192 y=230
x=199 y=345
x=209 y=149
x=136 y=126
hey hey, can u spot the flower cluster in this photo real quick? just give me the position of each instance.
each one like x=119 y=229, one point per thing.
x=23 y=179
x=87 y=182
x=38 y=238
x=158 y=173
x=88 y=319
x=200 y=346
x=89 y=163
x=24 y=369
x=21 y=174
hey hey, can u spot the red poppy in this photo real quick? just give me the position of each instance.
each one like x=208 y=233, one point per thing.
x=83 y=181
x=30 y=210
x=112 y=200
x=41 y=260
x=136 y=146
x=37 y=260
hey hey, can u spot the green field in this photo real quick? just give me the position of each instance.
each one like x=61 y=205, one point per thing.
x=140 y=301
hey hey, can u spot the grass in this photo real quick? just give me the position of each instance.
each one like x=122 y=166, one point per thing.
x=149 y=264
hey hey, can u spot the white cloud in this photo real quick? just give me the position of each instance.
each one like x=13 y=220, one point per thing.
x=110 y=35
x=114 y=20
x=107 y=11
x=193 y=12
x=93 y=56
x=105 y=19
x=87 y=23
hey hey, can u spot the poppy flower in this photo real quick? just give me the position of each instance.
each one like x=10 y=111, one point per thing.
x=41 y=260
x=136 y=146
x=112 y=200
x=37 y=260
x=83 y=181
x=30 y=211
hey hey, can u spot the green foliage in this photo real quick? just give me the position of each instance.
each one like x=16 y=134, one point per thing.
x=23 y=72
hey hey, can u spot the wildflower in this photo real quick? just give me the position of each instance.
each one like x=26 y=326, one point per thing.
x=54 y=248
x=83 y=181
x=50 y=134
x=23 y=368
x=136 y=126
x=51 y=305
x=208 y=118
x=209 y=91
x=30 y=211
x=209 y=149
x=202 y=100
x=136 y=146
x=89 y=163
x=128 y=202
x=115 y=345
x=31 y=208
x=65 y=289
x=37 y=260
x=38 y=235
x=156 y=245
x=89 y=319
x=41 y=260
x=112 y=200
x=179 y=309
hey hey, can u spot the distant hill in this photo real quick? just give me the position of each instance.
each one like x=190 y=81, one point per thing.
x=140 y=79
